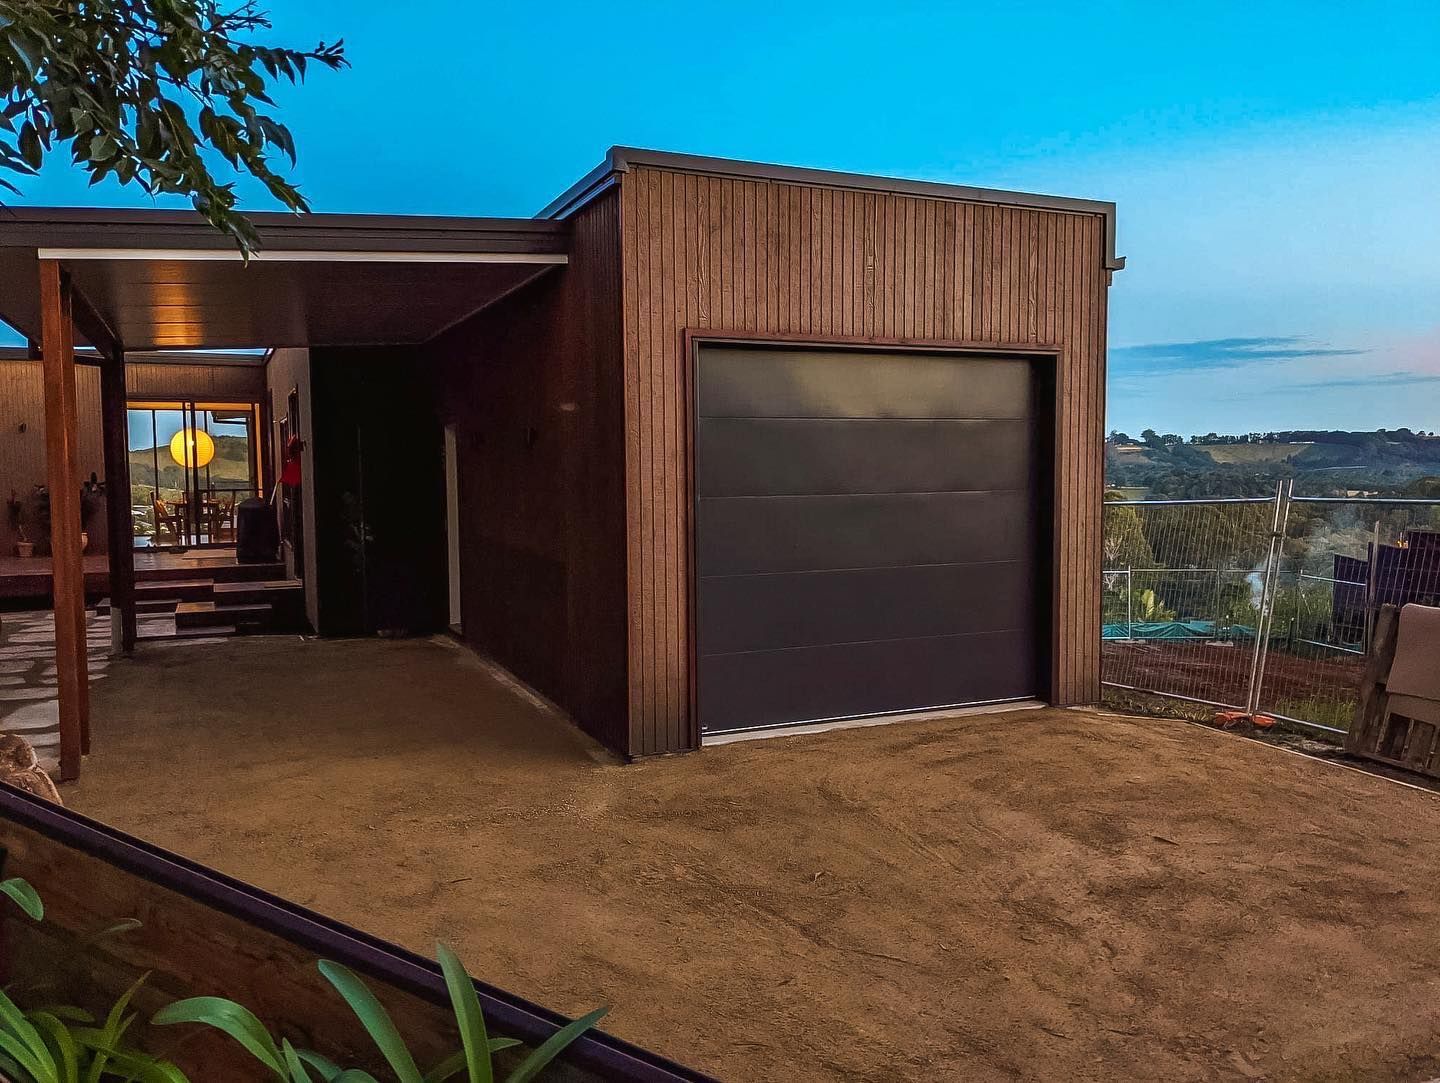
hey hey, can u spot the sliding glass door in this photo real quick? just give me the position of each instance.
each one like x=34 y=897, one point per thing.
x=191 y=463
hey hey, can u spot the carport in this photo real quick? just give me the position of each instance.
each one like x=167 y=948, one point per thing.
x=123 y=281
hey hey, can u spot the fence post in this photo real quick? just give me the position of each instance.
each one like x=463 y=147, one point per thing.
x=1269 y=588
x=1371 y=609
x=1129 y=603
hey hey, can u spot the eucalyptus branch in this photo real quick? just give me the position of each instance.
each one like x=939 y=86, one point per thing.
x=140 y=89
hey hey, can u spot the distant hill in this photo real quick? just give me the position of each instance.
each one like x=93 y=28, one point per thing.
x=1255 y=453
x=230 y=468
x=1333 y=462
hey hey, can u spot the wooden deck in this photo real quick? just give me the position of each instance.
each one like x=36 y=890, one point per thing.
x=30 y=577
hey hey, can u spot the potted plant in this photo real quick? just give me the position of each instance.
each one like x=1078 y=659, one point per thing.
x=15 y=514
x=92 y=498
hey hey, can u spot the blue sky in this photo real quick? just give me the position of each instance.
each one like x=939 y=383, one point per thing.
x=1277 y=165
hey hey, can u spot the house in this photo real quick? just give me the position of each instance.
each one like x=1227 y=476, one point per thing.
x=705 y=447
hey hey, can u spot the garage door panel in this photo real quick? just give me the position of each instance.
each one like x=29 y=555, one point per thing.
x=803 y=609
x=742 y=535
x=866 y=533
x=774 y=456
x=839 y=383
x=767 y=688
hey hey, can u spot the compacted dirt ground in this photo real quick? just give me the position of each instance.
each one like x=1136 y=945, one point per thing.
x=1041 y=894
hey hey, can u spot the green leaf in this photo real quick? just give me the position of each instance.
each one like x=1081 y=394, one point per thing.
x=229 y=1018
x=376 y=1019
x=27 y=53
x=40 y=1069
x=454 y=1064
x=124 y=925
x=24 y=896
x=327 y=1068
x=108 y=1038
x=68 y=1012
x=9 y=1066
x=62 y=1043
x=468 y=1016
x=553 y=1046
x=21 y=1040
x=297 y=1071
x=29 y=145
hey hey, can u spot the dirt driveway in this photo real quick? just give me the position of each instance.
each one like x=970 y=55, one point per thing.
x=1042 y=895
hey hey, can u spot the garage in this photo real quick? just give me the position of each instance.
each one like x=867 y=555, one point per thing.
x=869 y=533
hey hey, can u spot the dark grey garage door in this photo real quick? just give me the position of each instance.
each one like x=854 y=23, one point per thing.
x=867 y=535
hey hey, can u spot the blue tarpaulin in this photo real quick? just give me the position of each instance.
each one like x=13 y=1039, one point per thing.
x=1175 y=629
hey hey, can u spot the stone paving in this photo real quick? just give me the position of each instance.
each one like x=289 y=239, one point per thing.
x=28 y=689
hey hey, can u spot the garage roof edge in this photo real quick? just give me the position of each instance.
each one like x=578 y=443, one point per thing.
x=622 y=159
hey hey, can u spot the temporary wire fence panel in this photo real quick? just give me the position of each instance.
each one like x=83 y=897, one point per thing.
x=1181 y=597
x=1343 y=558
x=1199 y=605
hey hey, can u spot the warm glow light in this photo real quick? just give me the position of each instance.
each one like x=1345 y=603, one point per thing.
x=192 y=447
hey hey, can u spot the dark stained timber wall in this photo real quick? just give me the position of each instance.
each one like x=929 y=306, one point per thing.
x=532 y=385
x=713 y=254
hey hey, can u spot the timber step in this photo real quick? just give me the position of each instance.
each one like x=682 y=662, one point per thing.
x=246 y=616
x=180 y=590
x=269 y=590
x=146 y=606
x=187 y=633
x=230 y=606
x=218 y=572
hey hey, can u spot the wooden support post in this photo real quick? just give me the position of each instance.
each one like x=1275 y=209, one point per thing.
x=66 y=560
x=120 y=530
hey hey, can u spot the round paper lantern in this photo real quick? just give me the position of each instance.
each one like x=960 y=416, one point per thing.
x=192 y=447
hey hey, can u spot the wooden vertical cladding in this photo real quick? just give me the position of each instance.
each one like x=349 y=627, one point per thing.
x=22 y=434
x=533 y=385
x=758 y=257
x=195 y=383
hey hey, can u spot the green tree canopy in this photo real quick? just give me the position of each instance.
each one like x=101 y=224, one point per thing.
x=142 y=89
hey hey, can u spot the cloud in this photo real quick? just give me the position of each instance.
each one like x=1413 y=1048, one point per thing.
x=1385 y=379
x=1164 y=358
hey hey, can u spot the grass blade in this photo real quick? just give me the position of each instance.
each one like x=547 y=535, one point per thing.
x=230 y=1018
x=376 y=1019
x=530 y=1067
x=468 y=1016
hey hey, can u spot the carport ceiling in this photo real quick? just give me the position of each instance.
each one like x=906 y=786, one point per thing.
x=161 y=280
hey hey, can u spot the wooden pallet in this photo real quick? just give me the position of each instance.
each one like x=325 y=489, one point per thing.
x=1378 y=733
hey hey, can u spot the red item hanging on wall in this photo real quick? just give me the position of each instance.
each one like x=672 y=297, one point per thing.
x=290 y=471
